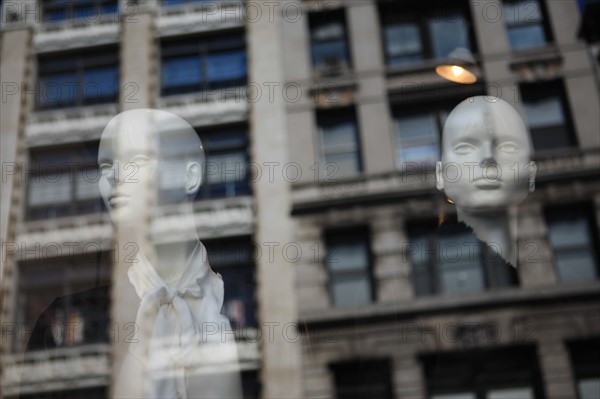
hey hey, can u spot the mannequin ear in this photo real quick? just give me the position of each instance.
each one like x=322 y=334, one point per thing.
x=532 y=172
x=439 y=176
x=193 y=177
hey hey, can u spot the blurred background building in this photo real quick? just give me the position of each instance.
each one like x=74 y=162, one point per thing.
x=321 y=121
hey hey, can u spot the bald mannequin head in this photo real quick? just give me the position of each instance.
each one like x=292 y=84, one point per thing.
x=135 y=147
x=485 y=156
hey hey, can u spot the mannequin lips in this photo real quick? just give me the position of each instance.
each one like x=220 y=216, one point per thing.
x=118 y=200
x=487 y=184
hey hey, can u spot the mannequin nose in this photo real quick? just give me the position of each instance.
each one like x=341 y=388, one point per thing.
x=487 y=153
x=114 y=173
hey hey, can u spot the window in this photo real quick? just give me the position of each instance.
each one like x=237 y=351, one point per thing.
x=362 y=379
x=227 y=163
x=328 y=42
x=75 y=79
x=572 y=236
x=414 y=32
x=349 y=265
x=63 y=181
x=585 y=356
x=69 y=10
x=215 y=62
x=65 y=299
x=500 y=373
x=525 y=23
x=340 y=155
x=548 y=115
x=418 y=134
x=451 y=260
x=233 y=258
x=226 y=172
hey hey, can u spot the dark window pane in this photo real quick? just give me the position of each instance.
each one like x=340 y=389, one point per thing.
x=182 y=71
x=330 y=52
x=82 y=78
x=363 y=379
x=547 y=115
x=328 y=39
x=415 y=31
x=447 y=34
x=339 y=146
x=525 y=24
x=100 y=84
x=348 y=263
x=63 y=181
x=227 y=66
x=227 y=163
x=417 y=139
x=351 y=290
x=524 y=37
x=571 y=235
x=203 y=63
x=403 y=40
x=233 y=259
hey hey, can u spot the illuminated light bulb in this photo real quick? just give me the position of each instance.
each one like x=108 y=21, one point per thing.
x=457 y=71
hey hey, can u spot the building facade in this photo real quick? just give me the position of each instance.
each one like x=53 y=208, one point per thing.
x=321 y=121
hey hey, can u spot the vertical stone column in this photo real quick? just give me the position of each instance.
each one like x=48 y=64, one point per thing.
x=373 y=111
x=138 y=62
x=281 y=365
x=392 y=269
x=14 y=71
x=137 y=74
x=555 y=366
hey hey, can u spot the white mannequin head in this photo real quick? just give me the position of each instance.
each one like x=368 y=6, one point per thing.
x=133 y=150
x=485 y=156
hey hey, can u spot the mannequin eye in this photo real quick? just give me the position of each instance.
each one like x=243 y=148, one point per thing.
x=140 y=159
x=509 y=147
x=105 y=166
x=464 y=148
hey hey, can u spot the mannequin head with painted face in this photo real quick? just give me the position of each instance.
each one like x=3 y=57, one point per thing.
x=143 y=153
x=485 y=156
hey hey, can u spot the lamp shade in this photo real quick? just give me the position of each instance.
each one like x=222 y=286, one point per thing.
x=456 y=69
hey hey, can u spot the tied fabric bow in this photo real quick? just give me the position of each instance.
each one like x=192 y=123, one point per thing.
x=169 y=328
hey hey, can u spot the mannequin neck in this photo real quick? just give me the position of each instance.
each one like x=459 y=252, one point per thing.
x=493 y=228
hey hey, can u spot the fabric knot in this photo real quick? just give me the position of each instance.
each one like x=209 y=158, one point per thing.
x=167 y=295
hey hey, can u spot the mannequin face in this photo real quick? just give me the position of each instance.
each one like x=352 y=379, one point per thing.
x=485 y=156
x=130 y=161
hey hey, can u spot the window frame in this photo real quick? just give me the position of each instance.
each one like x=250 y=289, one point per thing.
x=531 y=92
x=545 y=24
x=76 y=165
x=355 y=233
x=239 y=245
x=316 y=18
x=414 y=12
x=90 y=58
x=97 y=274
x=198 y=47
x=584 y=210
x=335 y=117
x=244 y=184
